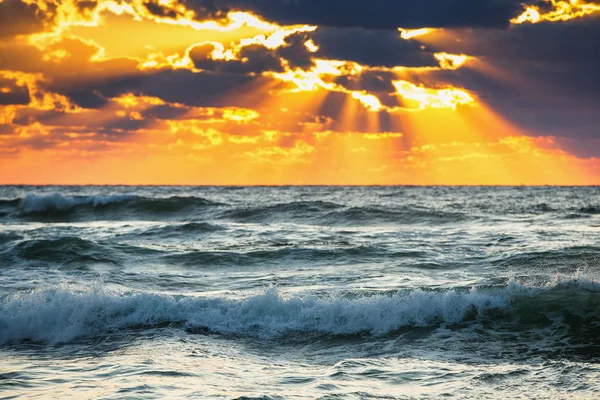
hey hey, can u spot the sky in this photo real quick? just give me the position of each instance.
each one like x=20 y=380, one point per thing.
x=300 y=92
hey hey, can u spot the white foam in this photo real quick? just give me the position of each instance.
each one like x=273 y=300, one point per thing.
x=61 y=315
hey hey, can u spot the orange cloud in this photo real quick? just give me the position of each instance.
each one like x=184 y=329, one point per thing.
x=423 y=97
x=327 y=121
x=556 y=10
x=408 y=34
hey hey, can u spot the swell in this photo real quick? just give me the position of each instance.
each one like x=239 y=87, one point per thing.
x=69 y=252
x=394 y=215
x=65 y=314
x=190 y=228
x=303 y=210
x=349 y=254
x=57 y=206
x=562 y=257
x=331 y=214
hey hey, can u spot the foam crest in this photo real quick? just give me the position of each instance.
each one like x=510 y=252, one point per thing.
x=61 y=315
x=64 y=314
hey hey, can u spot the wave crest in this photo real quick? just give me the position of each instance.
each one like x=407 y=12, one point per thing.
x=61 y=315
x=58 y=206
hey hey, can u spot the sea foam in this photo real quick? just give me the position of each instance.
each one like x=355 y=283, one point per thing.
x=62 y=314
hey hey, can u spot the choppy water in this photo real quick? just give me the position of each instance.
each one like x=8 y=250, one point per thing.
x=299 y=293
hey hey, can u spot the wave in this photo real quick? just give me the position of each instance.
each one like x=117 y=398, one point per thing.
x=338 y=255
x=590 y=210
x=571 y=256
x=294 y=210
x=64 y=314
x=9 y=237
x=70 y=251
x=183 y=229
x=58 y=206
x=379 y=215
x=332 y=214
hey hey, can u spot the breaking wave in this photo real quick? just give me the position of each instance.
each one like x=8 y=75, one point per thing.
x=59 y=206
x=64 y=314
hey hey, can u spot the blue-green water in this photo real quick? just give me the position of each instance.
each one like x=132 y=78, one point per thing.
x=299 y=292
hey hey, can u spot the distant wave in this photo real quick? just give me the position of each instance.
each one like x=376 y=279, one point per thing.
x=331 y=214
x=57 y=206
x=590 y=210
x=283 y=255
x=64 y=314
x=176 y=230
x=69 y=250
x=401 y=214
x=276 y=212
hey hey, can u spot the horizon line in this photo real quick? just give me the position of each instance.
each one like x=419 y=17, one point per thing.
x=292 y=185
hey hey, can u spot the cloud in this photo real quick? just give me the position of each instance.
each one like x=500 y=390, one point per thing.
x=18 y=18
x=375 y=14
x=557 y=11
x=371 y=48
x=543 y=77
x=11 y=93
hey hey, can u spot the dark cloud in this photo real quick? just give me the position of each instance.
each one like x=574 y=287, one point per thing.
x=379 y=82
x=573 y=42
x=256 y=58
x=11 y=93
x=371 y=47
x=166 y=112
x=18 y=18
x=121 y=126
x=7 y=129
x=374 y=14
x=203 y=89
x=253 y=59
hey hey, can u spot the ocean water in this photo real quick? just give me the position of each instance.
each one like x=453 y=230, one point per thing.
x=299 y=292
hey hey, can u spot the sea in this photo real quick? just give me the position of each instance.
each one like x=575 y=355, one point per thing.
x=123 y=292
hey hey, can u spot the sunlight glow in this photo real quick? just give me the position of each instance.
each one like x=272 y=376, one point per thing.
x=560 y=10
x=318 y=78
x=451 y=61
x=432 y=98
x=408 y=34
x=311 y=46
x=241 y=115
x=68 y=14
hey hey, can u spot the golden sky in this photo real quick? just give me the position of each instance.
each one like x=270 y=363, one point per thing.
x=248 y=92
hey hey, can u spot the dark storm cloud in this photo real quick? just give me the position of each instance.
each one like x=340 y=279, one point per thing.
x=546 y=60
x=253 y=59
x=374 y=14
x=204 y=89
x=538 y=98
x=368 y=48
x=256 y=58
x=85 y=99
x=573 y=42
x=371 y=47
x=379 y=82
